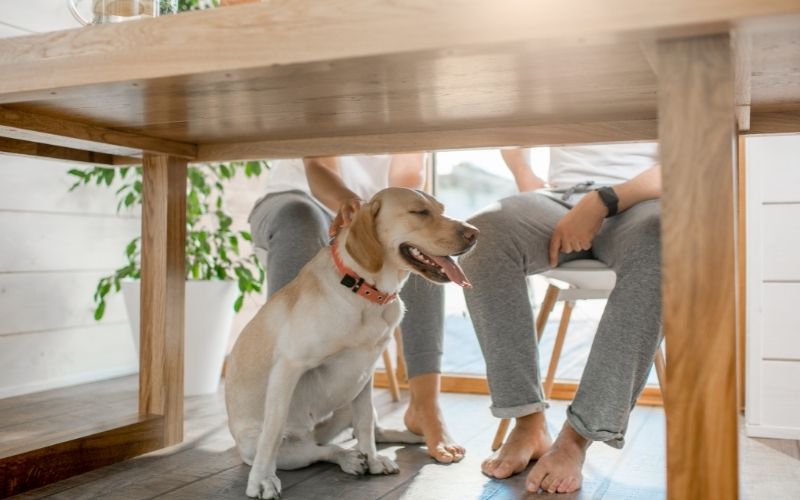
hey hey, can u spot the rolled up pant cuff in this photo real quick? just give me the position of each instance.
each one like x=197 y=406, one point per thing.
x=423 y=362
x=519 y=411
x=611 y=438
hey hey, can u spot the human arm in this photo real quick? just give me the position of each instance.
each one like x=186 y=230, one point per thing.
x=325 y=182
x=407 y=170
x=576 y=230
x=518 y=166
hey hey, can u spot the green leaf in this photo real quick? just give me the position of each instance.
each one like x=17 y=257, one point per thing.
x=252 y=168
x=131 y=248
x=100 y=311
x=108 y=176
x=246 y=235
x=237 y=306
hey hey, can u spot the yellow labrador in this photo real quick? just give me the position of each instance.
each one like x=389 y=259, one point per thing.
x=301 y=370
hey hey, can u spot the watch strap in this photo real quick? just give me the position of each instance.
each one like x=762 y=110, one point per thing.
x=609 y=199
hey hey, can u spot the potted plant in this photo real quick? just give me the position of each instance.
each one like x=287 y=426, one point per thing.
x=218 y=274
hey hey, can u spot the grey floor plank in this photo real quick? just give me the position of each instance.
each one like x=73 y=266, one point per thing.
x=206 y=465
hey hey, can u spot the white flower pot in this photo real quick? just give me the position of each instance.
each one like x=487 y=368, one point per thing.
x=208 y=321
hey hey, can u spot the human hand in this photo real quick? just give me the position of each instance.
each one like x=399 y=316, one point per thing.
x=528 y=182
x=344 y=217
x=576 y=230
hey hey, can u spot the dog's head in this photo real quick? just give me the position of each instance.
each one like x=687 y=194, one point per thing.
x=408 y=230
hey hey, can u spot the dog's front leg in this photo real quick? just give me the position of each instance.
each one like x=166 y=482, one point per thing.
x=364 y=430
x=262 y=481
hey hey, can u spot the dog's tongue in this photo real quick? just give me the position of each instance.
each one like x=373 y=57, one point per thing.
x=453 y=271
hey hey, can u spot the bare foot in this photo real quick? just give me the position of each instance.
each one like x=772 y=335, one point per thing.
x=528 y=441
x=559 y=469
x=428 y=421
x=424 y=417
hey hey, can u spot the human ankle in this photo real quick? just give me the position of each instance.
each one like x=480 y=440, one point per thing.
x=532 y=422
x=570 y=436
x=424 y=391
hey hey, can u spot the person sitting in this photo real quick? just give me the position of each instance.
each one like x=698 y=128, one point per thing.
x=603 y=203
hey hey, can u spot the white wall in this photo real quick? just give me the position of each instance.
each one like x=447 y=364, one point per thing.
x=54 y=247
x=773 y=286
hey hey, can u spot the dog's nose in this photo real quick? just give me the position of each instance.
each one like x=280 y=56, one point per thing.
x=470 y=233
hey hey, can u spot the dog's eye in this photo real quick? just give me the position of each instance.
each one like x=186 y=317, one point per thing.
x=423 y=213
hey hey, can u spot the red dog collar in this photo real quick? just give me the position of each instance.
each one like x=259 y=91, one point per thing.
x=356 y=283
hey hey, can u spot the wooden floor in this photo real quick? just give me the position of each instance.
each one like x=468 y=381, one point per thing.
x=207 y=466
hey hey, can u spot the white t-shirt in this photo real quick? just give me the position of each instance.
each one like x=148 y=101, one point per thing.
x=364 y=175
x=605 y=164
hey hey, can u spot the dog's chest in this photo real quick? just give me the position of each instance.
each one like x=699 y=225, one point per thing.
x=333 y=384
x=368 y=328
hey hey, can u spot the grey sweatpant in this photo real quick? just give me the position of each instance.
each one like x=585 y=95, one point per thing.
x=292 y=228
x=514 y=241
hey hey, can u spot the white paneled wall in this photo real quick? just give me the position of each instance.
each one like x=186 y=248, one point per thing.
x=54 y=247
x=773 y=286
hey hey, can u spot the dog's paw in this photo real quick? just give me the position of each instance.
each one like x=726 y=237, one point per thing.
x=383 y=465
x=266 y=489
x=353 y=462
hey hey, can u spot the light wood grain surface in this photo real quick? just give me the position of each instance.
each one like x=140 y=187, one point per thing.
x=23 y=125
x=162 y=292
x=697 y=132
x=281 y=79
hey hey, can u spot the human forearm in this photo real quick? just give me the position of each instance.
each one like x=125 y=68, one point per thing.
x=645 y=186
x=576 y=230
x=407 y=170
x=326 y=183
x=523 y=174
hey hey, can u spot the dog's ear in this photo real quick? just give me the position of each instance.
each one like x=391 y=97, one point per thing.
x=362 y=241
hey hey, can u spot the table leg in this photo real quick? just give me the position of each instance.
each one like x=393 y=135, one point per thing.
x=162 y=299
x=697 y=133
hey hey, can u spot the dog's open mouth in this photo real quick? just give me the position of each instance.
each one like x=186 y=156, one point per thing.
x=436 y=268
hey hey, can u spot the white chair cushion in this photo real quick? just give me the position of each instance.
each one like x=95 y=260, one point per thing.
x=584 y=274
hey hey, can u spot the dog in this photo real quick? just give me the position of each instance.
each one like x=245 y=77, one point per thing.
x=301 y=371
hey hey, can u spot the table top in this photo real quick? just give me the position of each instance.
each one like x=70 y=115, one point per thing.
x=301 y=77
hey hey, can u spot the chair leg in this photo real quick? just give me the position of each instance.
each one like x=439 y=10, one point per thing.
x=661 y=367
x=500 y=435
x=547 y=307
x=394 y=389
x=559 y=344
x=402 y=374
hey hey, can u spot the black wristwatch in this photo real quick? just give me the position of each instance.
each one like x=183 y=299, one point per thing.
x=610 y=200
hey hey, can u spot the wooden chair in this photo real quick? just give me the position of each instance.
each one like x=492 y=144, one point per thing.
x=584 y=279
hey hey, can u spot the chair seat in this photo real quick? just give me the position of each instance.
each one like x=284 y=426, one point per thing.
x=586 y=274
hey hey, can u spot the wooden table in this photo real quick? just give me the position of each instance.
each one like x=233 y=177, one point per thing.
x=301 y=77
